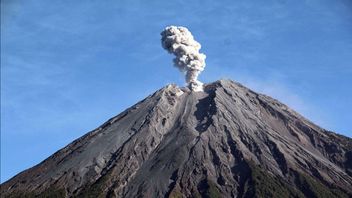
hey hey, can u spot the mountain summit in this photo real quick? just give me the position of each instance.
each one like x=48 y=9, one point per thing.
x=227 y=141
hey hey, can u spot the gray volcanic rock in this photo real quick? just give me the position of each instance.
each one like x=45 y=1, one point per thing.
x=227 y=141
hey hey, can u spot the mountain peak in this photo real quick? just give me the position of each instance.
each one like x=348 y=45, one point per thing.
x=226 y=141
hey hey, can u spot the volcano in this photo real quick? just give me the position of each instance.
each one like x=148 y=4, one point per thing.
x=227 y=141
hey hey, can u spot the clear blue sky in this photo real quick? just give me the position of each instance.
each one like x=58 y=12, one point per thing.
x=66 y=67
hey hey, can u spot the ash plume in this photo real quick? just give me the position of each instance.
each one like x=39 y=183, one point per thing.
x=179 y=41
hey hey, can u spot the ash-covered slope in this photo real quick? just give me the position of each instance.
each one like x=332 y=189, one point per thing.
x=227 y=141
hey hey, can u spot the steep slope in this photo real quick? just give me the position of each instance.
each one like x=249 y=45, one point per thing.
x=227 y=141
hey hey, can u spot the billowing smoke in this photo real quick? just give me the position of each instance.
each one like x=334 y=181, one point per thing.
x=180 y=42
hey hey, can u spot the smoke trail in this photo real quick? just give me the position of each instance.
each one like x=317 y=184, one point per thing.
x=180 y=42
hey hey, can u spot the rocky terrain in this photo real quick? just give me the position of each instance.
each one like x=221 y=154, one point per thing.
x=227 y=141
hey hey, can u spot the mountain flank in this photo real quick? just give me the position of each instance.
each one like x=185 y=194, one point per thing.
x=227 y=141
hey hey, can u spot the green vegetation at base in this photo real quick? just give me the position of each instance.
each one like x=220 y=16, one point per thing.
x=207 y=189
x=175 y=194
x=96 y=190
x=312 y=188
x=48 y=193
x=212 y=191
x=260 y=184
x=265 y=185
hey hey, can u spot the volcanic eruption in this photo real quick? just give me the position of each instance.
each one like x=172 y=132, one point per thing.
x=180 y=42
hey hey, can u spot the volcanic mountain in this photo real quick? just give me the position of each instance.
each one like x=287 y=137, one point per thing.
x=227 y=141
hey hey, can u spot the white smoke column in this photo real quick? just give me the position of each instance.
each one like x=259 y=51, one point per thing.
x=180 y=42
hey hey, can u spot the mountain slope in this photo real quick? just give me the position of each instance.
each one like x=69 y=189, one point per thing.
x=227 y=141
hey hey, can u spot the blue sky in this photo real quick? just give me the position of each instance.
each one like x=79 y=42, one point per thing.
x=66 y=67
